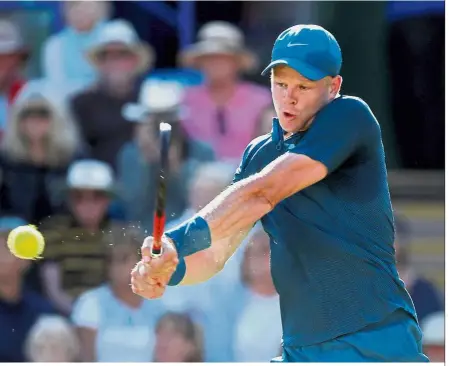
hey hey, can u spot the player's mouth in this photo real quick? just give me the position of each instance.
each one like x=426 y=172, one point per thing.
x=288 y=116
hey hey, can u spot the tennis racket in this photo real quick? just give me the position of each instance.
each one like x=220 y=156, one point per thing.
x=159 y=214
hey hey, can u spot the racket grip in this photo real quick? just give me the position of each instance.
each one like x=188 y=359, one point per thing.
x=158 y=231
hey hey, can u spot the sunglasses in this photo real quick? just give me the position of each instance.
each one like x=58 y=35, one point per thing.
x=82 y=196
x=35 y=112
x=115 y=54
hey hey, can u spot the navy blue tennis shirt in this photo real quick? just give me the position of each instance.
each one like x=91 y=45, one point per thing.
x=332 y=255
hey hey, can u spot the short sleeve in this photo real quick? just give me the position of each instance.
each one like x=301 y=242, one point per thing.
x=86 y=311
x=339 y=130
x=239 y=173
x=246 y=157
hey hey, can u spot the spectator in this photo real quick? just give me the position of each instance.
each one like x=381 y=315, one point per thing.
x=225 y=110
x=19 y=306
x=64 y=58
x=207 y=182
x=120 y=57
x=260 y=312
x=214 y=303
x=113 y=323
x=424 y=294
x=13 y=57
x=39 y=144
x=416 y=51
x=75 y=255
x=52 y=339
x=138 y=162
x=178 y=339
x=266 y=121
x=433 y=337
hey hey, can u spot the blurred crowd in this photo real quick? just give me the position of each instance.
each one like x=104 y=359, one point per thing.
x=79 y=159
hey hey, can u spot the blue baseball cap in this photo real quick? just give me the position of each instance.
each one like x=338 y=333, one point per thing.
x=309 y=49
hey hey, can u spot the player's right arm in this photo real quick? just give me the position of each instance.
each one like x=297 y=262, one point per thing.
x=150 y=276
x=150 y=281
x=205 y=264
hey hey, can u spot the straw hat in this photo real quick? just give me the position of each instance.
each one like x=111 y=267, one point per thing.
x=219 y=37
x=120 y=31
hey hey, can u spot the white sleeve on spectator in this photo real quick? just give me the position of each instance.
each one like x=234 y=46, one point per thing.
x=52 y=65
x=86 y=311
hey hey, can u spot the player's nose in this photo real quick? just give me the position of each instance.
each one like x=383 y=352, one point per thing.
x=290 y=97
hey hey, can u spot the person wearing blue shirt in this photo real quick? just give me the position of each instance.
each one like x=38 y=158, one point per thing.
x=318 y=183
x=20 y=307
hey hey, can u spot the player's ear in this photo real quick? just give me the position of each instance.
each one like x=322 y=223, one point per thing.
x=335 y=85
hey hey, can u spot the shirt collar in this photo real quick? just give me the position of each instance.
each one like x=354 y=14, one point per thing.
x=277 y=132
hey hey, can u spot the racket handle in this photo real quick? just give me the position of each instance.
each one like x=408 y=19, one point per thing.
x=158 y=231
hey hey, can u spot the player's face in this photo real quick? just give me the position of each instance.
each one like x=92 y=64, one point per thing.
x=297 y=99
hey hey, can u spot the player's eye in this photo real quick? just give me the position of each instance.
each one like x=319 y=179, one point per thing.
x=281 y=85
x=303 y=87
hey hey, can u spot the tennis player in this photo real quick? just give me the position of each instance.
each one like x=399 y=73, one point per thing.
x=318 y=183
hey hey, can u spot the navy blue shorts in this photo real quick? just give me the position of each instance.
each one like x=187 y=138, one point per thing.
x=396 y=339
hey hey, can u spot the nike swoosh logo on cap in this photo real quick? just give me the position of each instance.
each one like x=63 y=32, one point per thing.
x=296 y=44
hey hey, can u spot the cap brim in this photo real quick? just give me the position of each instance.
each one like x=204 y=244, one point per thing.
x=304 y=69
x=144 y=52
x=188 y=57
x=134 y=112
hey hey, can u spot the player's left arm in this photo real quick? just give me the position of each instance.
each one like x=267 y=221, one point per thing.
x=337 y=133
x=250 y=199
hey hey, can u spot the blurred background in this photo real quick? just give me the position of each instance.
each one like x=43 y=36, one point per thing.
x=82 y=87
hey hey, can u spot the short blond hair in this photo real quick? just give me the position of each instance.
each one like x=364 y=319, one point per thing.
x=50 y=330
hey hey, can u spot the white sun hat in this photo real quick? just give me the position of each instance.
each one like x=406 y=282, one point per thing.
x=156 y=97
x=120 y=31
x=90 y=174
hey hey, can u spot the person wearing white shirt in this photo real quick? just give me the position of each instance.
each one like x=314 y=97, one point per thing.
x=258 y=331
x=114 y=324
x=63 y=56
x=213 y=304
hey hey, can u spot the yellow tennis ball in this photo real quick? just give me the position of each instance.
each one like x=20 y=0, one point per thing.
x=26 y=242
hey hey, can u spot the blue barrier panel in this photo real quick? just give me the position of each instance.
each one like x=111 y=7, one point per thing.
x=182 y=19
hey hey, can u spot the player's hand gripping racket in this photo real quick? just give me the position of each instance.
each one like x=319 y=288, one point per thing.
x=159 y=214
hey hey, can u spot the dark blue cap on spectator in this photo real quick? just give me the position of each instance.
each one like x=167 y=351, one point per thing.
x=309 y=49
